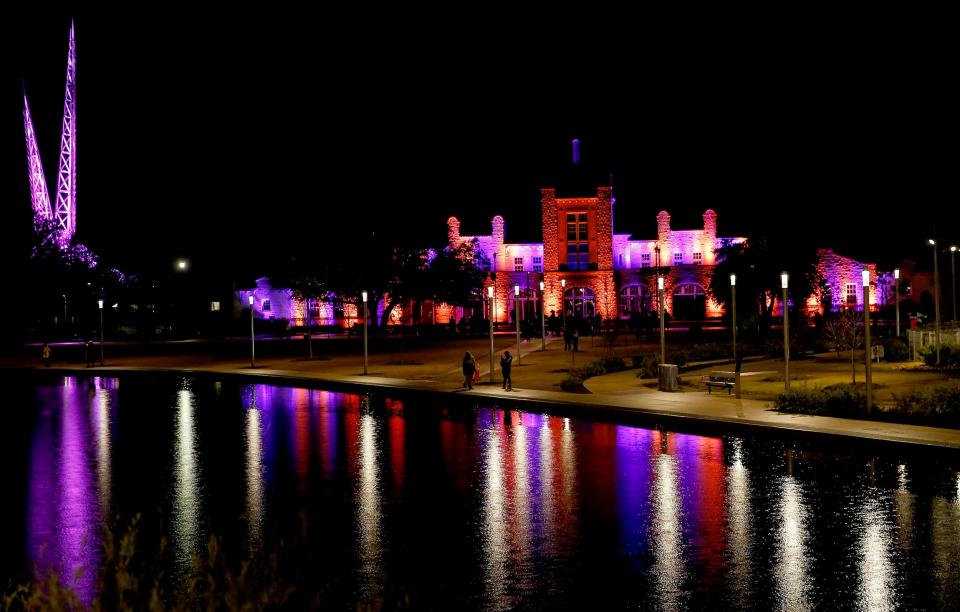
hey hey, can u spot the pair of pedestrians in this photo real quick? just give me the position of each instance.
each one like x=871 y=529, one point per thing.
x=471 y=373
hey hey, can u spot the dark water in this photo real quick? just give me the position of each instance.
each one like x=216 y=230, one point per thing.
x=472 y=508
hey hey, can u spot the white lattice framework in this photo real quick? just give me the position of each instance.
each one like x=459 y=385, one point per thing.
x=67 y=176
x=39 y=195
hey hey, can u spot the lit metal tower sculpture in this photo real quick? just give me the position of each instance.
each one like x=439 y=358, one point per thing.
x=38 y=181
x=67 y=176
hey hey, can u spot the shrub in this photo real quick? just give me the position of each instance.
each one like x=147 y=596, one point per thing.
x=949 y=356
x=573 y=382
x=939 y=405
x=646 y=364
x=613 y=364
x=896 y=350
x=836 y=400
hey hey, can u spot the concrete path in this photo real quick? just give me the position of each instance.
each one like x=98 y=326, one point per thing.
x=536 y=386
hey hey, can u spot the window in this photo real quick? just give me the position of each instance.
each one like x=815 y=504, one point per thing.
x=214 y=306
x=578 y=251
x=265 y=306
x=134 y=307
x=313 y=309
x=645 y=260
x=151 y=307
x=538 y=264
x=697 y=259
x=851 y=293
x=518 y=264
x=677 y=259
x=578 y=255
x=634 y=298
x=620 y=260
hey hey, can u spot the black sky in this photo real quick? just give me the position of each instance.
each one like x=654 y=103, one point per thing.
x=238 y=139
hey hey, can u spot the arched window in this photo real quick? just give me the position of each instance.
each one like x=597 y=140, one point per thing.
x=634 y=298
x=689 y=302
x=579 y=301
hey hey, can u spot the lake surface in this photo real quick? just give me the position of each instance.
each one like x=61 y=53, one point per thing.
x=469 y=508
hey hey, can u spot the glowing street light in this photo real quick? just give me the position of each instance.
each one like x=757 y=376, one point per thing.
x=252 y=345
x=365 y=317
x=865 y=277
x=936 y=293
x=663 y=337
x=181 y=264
x=784 y=281
x=733 y=306
x=516 y=315
x=490 y=327
x=543 y=322
x=100 y=305
x=896 y=293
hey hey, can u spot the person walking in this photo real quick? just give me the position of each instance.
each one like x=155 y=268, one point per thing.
x=469 y=367
x=506 y=365
x=45 y=355
x=88 y=353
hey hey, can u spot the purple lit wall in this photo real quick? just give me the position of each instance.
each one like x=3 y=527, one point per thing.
x=842 y=284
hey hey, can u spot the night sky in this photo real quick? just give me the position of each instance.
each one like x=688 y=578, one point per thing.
x=239 y=140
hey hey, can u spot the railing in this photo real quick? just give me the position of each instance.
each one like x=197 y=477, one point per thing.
x=919 y=338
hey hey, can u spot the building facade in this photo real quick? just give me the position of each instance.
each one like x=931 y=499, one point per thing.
x=588 y=270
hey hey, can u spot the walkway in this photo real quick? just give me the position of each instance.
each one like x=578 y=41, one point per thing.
x=536 y=378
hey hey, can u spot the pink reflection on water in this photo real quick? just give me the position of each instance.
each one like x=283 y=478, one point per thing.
x=64 y=497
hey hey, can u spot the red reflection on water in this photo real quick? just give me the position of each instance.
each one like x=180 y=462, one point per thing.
x=301 y=437
x=396 y=428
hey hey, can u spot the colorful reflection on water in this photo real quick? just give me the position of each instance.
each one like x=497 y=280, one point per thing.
x=483 y=508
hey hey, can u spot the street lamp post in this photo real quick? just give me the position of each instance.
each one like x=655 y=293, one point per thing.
x=365 y=318
x=865 y=274
x=100 y=305
x=543 y=322
x=896 y=298
x=663 y=337
x=64 y=309
x=784 y=280
x=490 y=327
x=252 y=344
x=733 y=325
x=936 y=294
x=516 y=315
x=563 y=303
x=953 y=281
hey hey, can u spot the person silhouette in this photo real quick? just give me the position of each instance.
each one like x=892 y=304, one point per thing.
x=506 y=366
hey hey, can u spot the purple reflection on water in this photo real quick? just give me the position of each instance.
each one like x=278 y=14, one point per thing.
x=63 y=515
x=634 y=474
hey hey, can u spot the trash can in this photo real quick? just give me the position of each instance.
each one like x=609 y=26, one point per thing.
x=669 y=375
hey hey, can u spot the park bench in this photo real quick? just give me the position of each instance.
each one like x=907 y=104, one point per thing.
x=720 y=379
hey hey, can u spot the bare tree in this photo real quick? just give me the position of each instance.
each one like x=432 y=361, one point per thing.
x=844 y=331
